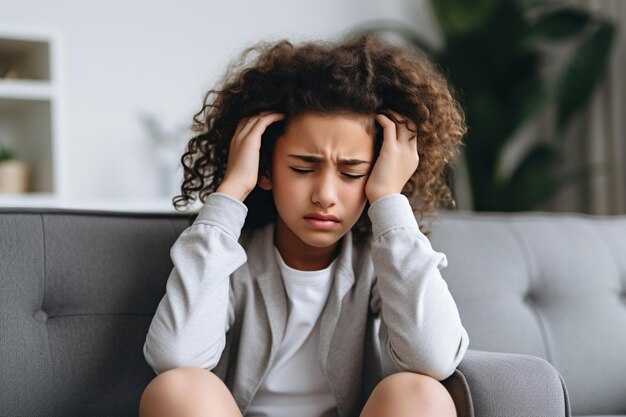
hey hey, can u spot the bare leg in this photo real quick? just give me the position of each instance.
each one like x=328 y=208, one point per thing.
x=187 y=392
x=408 y=394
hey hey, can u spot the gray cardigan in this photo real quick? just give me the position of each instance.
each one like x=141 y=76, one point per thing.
x=225 y=307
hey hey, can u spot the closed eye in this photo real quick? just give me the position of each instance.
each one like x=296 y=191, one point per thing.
x=301 y=171
x=353 y=177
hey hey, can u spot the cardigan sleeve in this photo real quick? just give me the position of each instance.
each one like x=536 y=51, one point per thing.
x=191 y=321
x=420 y=326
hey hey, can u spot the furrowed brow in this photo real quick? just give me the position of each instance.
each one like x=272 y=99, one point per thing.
x=316 y=159
x=353 y=162
x=308 y=158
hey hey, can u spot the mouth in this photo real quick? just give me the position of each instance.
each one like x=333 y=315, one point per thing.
x=322 y=221
x=322 y=217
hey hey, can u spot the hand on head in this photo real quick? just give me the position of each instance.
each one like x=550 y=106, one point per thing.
x=398 y=158
x=396 y=163
x=243 y=158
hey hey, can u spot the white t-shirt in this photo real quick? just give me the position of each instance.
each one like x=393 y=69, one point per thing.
x=295 y=384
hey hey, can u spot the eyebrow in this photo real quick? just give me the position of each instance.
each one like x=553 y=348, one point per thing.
x=317 y=159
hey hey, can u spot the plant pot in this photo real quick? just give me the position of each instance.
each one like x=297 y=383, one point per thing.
x=13 y=176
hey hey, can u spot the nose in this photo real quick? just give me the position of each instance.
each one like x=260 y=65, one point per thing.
x=325 y=191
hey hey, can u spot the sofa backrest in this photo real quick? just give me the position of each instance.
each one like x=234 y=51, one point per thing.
x=545 y=284
x=77 y=294
x=78 y=290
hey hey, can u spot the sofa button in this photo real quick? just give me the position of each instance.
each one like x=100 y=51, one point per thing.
x=528 y=298
x=41 y=316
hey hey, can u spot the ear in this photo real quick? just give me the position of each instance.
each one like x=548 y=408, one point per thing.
x=265 y=182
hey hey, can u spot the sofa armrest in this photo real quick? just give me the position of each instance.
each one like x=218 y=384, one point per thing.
x=493 y=384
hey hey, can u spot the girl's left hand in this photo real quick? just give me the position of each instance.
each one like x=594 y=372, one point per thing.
x=397 y=161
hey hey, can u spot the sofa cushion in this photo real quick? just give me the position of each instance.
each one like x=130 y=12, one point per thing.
x=545 y=284
x=77 y=294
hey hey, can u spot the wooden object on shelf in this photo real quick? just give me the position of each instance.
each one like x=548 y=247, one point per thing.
x=13 y=177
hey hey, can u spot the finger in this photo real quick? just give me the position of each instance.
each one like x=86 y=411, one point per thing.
x=413 y=145
x=240 y=126
x=262 y=122
x=389 y=128
x=267 y=119
x=407 y=142
x=395 y=114
x=399 y=118
x=247 y=127
x=249 y=122
x=407 y=133
x=406 y=127
x=403 y=125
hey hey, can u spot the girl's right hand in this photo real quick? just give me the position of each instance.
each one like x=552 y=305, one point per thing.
x=243 y=158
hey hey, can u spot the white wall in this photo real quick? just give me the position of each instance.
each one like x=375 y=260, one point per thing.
x=121 y=57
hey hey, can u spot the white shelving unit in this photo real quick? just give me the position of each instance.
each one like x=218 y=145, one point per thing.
x=30 y=109
x=31 y=106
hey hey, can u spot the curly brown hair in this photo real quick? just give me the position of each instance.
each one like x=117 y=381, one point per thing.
x=361 y=75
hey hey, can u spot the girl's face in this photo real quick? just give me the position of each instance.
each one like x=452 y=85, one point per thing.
x=320 y=167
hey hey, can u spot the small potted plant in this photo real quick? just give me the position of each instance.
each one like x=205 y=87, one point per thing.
x=13 y=172
x=166 y=145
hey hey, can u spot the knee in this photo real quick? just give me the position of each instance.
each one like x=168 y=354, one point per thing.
x=178 y=380
x=422 y=393
x=171 y=389
x=409 y=382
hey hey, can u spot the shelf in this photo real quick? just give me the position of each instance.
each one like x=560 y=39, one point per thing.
x=28 y=200
x=30 y=121
x=48 y=200
x=24 y=57
x=25 y=90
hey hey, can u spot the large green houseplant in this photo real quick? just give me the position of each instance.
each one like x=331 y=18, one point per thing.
x=493 y=52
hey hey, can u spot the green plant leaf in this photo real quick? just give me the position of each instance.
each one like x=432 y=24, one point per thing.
x=556 y=25
x=577 y=82
x=533 y=180
x=493 y=58
x=461 y=16
x=529 y=96
x=6 y=153
x=537 y=184
x=486 y=118
x=543 y=154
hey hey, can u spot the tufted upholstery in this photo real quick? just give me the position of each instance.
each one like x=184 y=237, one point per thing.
x=78 y=290
x=548 y=285
x=77 y=294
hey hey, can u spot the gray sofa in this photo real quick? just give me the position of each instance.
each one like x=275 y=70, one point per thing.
x=537 y=293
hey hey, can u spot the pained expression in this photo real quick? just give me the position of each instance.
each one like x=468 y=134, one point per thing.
x=320 y=165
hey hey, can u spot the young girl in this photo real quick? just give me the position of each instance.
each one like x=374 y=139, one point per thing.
x=305 y=286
